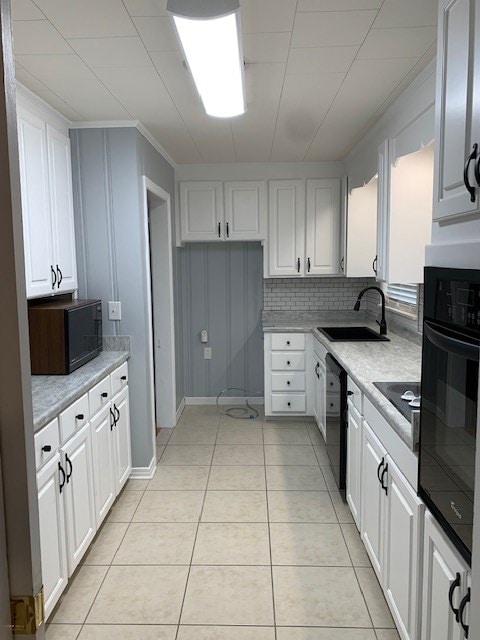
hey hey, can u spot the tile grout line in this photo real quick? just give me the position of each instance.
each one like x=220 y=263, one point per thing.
x=269 y=538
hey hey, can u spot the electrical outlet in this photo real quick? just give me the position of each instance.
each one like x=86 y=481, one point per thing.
x=207 y=353
x=114 y=310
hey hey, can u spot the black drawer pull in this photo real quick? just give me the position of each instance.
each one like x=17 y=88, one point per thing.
x=288 y=342
x=461 y=609
x=47 y=448
x=451 y=591
x=63 y=477
x=382 y=462
x=288 y=362
x=104 y=394
x=123 y=378
x=69 y=473
x=117 y=413
x=288 y=382
x=466 y=179
x=289 y=404
x=80 y=416
x=60 y=277
x=384 y=486
x=113 y=421
x=54 y=276
x=349 y=393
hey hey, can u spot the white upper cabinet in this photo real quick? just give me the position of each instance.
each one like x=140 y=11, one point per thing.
x=304 y=242
x=361 y=231
x=201 y=211
x=217 y=211
x=286 y=228
x=61 y=199
x=323 y=227
x=383 y=196
x=457 y=127
x=245 y=210
x=47 y=204
x=37 y=230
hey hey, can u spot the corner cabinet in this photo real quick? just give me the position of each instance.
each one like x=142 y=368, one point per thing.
x=47 y=205
x=304 y=241
x=457 y=118
x=218 y=211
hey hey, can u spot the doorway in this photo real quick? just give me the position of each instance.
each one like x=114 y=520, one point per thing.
x=160 y=304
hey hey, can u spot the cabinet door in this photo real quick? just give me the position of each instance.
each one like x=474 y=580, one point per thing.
x=103 y=451
x=323 y=227
x=245 y=210
x=121 y=430
x=201 y=211
x=362 y=231
x=61 y=199
x=79 y=495
x=443 y=570
x=374 y=459
x=403 y=546
x=52 y=533
x=320 y=396
x=456 y=111
x=354 y=460
x=286 y=228
x=383 y=204
x=37 y=230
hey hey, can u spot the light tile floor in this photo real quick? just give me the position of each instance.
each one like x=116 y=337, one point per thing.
x=241 y=535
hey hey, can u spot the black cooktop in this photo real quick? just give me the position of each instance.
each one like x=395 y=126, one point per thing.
x=394 y=391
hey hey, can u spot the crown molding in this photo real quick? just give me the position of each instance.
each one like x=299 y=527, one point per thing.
x=40 y=102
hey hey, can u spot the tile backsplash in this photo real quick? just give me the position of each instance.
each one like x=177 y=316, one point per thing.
x=312 y=294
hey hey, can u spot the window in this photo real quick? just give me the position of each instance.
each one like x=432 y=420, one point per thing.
x=406 y=293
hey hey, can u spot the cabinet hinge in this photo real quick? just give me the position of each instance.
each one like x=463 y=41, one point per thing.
x=28 y=613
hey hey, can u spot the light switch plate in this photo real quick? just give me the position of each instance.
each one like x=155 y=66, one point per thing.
x=207 y=353
x=114 y=310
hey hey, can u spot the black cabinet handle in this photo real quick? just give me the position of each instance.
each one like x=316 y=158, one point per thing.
x=461 y=609
x=288 y=382
x=342 y=264
x=219 y=230
x=47 y=448
x=466 y=179
x=451 y=591
x=60 y=277
x=349 y=393
x=63 y=477
x=69 y=473
x=317 y=366
x=384 y=487
x=104 y=394
x=289 y=404
x=288 y=362
x=288 y=342
x=298 y=265
x=113 y=422
x=379 y=467
x=124 y=378
x=374 y=265
x=477 y=171
x=80 y=416
x=331 y=404
x=308 y=265
x=54 y=277
x=228 y=230
x=117 y=413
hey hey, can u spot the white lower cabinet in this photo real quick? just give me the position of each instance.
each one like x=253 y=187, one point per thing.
x=52 y=532
x=446 y=582
x=121 y=432
x=79 y=495
x=320 y=396
x=354 y=459
x=103 y=450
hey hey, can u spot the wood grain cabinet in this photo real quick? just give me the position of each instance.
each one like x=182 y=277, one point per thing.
x=47 y=205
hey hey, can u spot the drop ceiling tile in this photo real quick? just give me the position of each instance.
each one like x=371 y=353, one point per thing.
x=304 y=104
x=182 y=88
x=212 y=136
x=334 y=28
x=338 y=5
x=26 y=10
x=146 y=8
x=267 y=15
x=112 y=52
x=266 y=47
x=403 y=42
x=26 y=78
x=168 y=63
x=174 y=138
x=158 y=34
x=407 y=13
x=88 y=18
x=34 y=37
x=60 y=105
x=55 y=68
x=321 y=60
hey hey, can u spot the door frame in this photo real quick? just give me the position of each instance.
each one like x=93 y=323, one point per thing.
x=168 y=325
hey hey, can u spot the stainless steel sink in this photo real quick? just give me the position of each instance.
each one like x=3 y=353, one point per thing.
x=352 y=334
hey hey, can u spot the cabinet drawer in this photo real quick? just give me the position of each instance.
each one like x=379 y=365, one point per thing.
x=99 y=395
x=355 y=395
x=73 y=418
x=288 y=361
x=288 y=341
x=333 y=384
x=288 y=382
x=333 y=404
x=119 y=378
x=289 y=403
x=47 y=437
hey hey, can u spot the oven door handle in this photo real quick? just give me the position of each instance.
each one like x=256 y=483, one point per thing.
x=452 y=345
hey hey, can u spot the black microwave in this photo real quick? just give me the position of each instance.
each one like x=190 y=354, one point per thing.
x=64 y=335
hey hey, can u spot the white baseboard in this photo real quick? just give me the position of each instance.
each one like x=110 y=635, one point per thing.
x=225 y=400
x=180 y=410
x=144 y=473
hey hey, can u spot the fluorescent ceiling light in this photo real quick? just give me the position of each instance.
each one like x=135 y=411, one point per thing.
x=214 y=56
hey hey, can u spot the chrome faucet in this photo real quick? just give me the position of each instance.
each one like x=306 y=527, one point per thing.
x=382 y=323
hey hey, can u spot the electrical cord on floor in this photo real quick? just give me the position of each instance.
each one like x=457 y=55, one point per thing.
x=246 y=412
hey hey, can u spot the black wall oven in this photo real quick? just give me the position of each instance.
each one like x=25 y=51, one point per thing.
x=448 y=415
